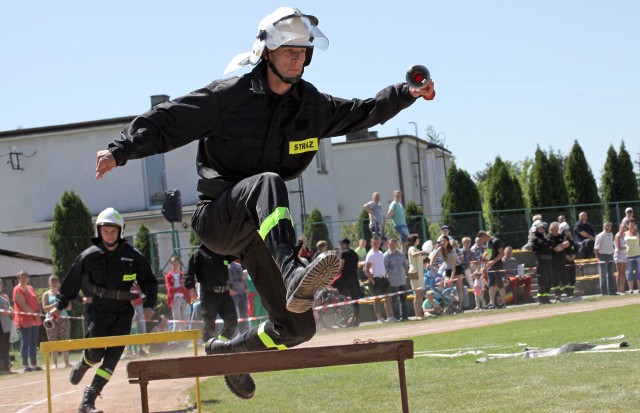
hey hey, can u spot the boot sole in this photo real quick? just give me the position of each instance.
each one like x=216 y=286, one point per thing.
x=324 y=270
x=239 y=393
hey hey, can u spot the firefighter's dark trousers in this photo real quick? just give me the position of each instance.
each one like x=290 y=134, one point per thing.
x=249 y=220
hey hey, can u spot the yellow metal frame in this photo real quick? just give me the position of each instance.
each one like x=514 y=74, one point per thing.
x=48 y=347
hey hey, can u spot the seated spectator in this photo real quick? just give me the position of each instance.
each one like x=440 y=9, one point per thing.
x=430 y=306
x=510 y=265
x=585 y=237
x=162 y=327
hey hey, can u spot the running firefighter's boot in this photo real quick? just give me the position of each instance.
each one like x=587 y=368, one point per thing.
x=242 y=385
x=301 y=281
x=87 y=405
x=78 y=371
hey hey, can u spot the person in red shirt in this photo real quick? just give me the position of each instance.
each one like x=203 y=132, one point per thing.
x=26 y=301
x=177 y=295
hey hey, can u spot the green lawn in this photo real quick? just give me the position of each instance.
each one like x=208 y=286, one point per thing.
x=605 y=382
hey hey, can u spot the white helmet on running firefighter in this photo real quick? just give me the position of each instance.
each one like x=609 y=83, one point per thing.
x=110 y=217
x=286 y=26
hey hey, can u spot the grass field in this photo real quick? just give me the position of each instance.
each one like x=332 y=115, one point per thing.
x=587 y=382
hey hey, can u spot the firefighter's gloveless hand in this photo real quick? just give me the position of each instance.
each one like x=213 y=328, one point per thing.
x=104 y=163
x=428 y=91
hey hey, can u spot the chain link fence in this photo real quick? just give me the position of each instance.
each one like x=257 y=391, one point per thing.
x=511 y=226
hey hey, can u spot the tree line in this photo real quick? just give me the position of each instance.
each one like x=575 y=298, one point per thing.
x=503 y=190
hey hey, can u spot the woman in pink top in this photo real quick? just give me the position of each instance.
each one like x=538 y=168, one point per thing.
x=26 y=301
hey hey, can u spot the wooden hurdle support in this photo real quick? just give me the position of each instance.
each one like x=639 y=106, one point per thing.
x=144 y=371
x=48 y=347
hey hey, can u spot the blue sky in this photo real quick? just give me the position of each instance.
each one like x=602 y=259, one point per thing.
x=510 y=75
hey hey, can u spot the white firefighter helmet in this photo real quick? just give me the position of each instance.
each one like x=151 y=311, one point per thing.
x=286 y=26
x=110 y=217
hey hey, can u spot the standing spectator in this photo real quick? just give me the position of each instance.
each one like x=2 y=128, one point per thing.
x=571 y=252
x=362 y=254
x=467 y=258
x=177 y=294
x=444 y=232
x=397 y=214
x=238 y=289
x=452 y=270
x=542 y=247
x=628 y=212
x=396 y=265
x=463 y=292
x=604 y=249
x=585 y=236
x=494 y=269
x=211 y=271
x=305 y=252
x=5 y=333
x=477 y=252
x=561 y=219
x=377 y=276
x=620 y=256
x=321 y=247
x=61 y=328
x=558 y=259
x=416 y=266
x=376 y=219
x=26 y=301
x=632 y=244
x=510 y=265
x=347 y=281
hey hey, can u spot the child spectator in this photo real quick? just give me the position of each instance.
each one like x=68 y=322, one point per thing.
x=430 y=306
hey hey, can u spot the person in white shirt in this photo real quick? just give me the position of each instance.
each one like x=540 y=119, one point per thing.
x=377 y=276
x=604 y=248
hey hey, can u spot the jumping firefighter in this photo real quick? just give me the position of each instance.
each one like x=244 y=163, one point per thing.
x=254 y=133
x=108 y=270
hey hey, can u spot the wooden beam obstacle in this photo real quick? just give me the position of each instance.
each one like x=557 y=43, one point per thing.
x=144 y=371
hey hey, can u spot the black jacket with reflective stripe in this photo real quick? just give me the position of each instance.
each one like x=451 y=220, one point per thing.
x=111 y=270
x=244 y=129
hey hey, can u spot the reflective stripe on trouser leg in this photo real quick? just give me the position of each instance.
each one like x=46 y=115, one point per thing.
x=272 y=220
x=267 y=340
x=104 y=374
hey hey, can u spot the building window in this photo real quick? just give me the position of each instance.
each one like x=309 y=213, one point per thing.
x=156 y=180
x=321 y=159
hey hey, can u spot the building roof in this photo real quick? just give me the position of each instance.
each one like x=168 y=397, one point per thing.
x=66 y=127
x=392 y=139
x=15 y=254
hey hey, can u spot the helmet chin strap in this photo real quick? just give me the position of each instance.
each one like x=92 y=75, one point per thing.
x=288 y=80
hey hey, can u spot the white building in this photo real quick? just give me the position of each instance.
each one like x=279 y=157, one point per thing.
x=43 y=163
x=365 y=164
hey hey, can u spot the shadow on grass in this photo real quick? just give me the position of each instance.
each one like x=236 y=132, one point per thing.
x=193 y=408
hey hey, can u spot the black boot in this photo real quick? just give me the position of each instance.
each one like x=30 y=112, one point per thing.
x=88 y=401
x=242 y=385
x=303 y=282
x=78 y=371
